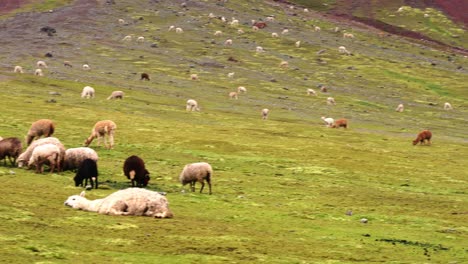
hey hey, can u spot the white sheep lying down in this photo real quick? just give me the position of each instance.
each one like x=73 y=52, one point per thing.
x=131 y=201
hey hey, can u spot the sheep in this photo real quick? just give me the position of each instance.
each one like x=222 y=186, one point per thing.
x=87 y=170
x=218 y=33
x=328 y=121
x=228 y=42
x=233 y=95
x=422 y=137
x=145 y=76
x=340 y=123
x=231 y=75
x=41 y=64
x=400 y=108
x=116 y=95
x=234 y=23
x=448 y=106
x=241 y=89
x=240 y=31
x=121 y=21
x=11 y=148
x=67 y=64
x=49 y=153
x=192 y=105
x=88 y=92
x=259 y=49
x=211 y=15
x=134 y=169
x=86 y=67
x=348 y=35
x=140 y=39
x=426 y=15
x=179 y=30
x=331 y=101
x=127 y=38
x=342 y=49
x=336 y=29
x=100 y=130
x=306 y=10
x=18 y=69
x=298 y=44
x=274 y=35
x=41 y=127
x=285 y=31
x=74 y=157
x=26 y=155
x=270 y=18
x=38 y=72
x=171 y=28
x=323 y=89
x=284 y=64
x=130 y=201
x=265 y=113
x=311 y=92
x=196 y=172
x=194 y=76
x=317 y=29
x=255 y=28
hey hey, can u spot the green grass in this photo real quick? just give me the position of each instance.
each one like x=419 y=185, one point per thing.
x=282 y=186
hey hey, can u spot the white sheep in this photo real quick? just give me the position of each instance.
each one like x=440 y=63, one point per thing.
x=284 y=64
x=336 y=29
x=18 y=69
x=192 y=105
x=194 y=76
x=38 y=72
x=331 y=101
x=228 y=42
x=218 y=33
x=348 y=35
x=233 y=95
x=131 y=201
x=241 y=89
x=400 y=108
x=265 y=113
x=255 y=28
x=121 y=21
x=285 y=31
x=100 y=130
x=116 y=95
x=26 y=155
x=140 y=39
x=259 y=49
x=234 y=23
x=127 y=38
x=342 y=49
x=306 y=10
x=311 y=92
x=197 y=172
x=328 y=121
x=231 y=75
x=171 y=28
x=86 y=67
x=179 y=30
x=274 y=35
x=47 y=153
x=88 y=92
x=211 y=15
x=298 y=44
x=317 y=29
x=41 y=64
x=75 y=156
x=448 y=106
x=426 y=15
x=270 y=18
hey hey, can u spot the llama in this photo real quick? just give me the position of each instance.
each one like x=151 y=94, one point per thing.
x=10 y=148
x=18 y=69
x=265 y=113
x=100 y=130
x=87 y=170
x=47 y=153
x=88 y=92
x=41 y=127
x=116 y=95
x=422 y=137
x=134 y=169
x=400 y=108
x=192 y=105
x=131 y=201
x=340 y=123
x=197 y=172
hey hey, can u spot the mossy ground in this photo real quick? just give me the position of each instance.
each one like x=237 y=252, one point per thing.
x=282 y=186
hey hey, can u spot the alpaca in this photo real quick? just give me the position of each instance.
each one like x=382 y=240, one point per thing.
x=88 y=92
x=100 y=130
x=131 y=201
x=134 y=169
x=196 y=172
x=42 y=127
x=422 y=137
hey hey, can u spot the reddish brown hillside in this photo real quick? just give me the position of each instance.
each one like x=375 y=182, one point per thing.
x=8 y=5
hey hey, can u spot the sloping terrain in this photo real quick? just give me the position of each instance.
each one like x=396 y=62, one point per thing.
x=286 y=189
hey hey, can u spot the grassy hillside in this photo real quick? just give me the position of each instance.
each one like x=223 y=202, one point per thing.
x=283 y=188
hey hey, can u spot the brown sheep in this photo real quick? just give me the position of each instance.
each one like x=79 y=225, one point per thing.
x=422 y=137
x=42 y=127
x=11 y=148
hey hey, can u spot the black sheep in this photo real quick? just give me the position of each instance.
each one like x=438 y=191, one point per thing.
x=87 y=170
x=134 y=169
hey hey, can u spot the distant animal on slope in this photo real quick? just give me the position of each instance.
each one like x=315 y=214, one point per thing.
x=41 y=64
x=145 y=76
x=134 y=169
x=87 y=170
x=340 y=123
x=328 y=121
x=342 y=49
x=88 y=92
x=197 y=172
x=265 y=113
x=131 y=201
x=47 y=153
x=116 y=95
x=86 y=67
x=192 y=105
x=233 y=95
x=260 y=25
x=311 y=92
x=423 y=136
x=331 y=101
x=448 y=106
x=10 y=148
x=38 y=72
x=41 y=127
x=400 y=108
x=18 y=69
x=100 y=130
x=241 y=89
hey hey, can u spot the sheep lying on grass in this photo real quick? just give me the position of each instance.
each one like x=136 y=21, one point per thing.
x=100 y=130
x=192 y=105
x=74 y=157
x=422 y=137
x=196 y=172
x=42 y=127
x=87 y=170
x=47 y=153
x=131 y=201
x=11 y=148
x=116 y=95
x=88 y=92
x=134 y=169
x=26 y=155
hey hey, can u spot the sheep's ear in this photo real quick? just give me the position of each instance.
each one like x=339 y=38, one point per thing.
x=82 y=194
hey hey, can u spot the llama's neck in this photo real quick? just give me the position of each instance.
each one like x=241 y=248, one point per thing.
x=88 y=205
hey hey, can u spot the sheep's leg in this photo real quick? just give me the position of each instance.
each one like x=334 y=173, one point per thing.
x=208 y=180
x=192 y=186
x=202 y=185
x=86 y=182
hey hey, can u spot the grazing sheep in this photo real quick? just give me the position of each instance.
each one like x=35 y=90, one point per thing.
x=218 y=33
x=41 y=127
x=67 y=64
x=342 y=49
x=331 y=101
x=284 y=64
x=131 y=201
x=400 y=108
x=134 y=169
x=100 y=130
x=426 y=15
x=121 y=21
x=11 y=148
x=116 y=95
x=171 y=28
x=145 y=76
x=231 y=75
x=448 y=106
x=228 y=42
x=18 y=69
x=192 y=105
x=298 y=44
x=328 y=121
x=254 y=28
x=194 y=76
x=88 y=92
x=285 y=31
x=336 y=29
x=259 y=49
x=42 y=64
x=86 y=67
x=26 y=155
x=38 y=72
x=340 y=123
x=233 y=95
x=140 y=39
x=265 y=113
x=211 y=15
x=196 y=172
x=47 y=153
x=317 y=29
x=75 y=156
x=179 y=30
x=127 y=38
x=422 y=137
x=87 y=170
x=274 y=35
x=241 y=89
x=311 y=92
x=348 y=35
x=323 y=89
